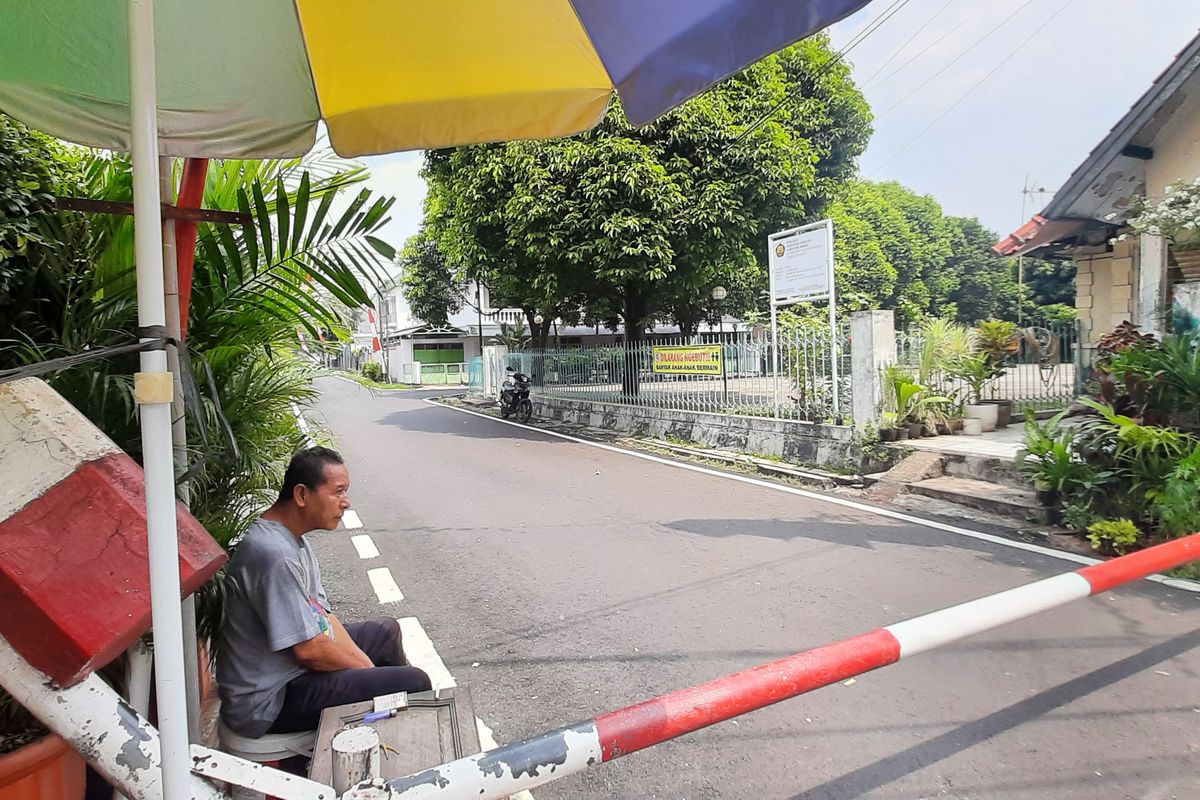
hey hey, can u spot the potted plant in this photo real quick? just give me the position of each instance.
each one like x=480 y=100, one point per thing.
x=902 y=395
x=933 y=412
x=34 y=763
x=999 y=340
x=887 y=427
x=975 y=371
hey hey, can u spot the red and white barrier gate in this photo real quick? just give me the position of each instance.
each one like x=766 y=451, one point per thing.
x=524 y=765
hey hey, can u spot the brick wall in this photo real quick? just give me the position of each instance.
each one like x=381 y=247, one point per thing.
x=1105 y=291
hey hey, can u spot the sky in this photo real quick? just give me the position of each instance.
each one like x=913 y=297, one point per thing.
x=974 y=100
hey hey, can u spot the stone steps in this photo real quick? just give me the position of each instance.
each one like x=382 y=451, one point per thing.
x=984 y=468
x=992 y=498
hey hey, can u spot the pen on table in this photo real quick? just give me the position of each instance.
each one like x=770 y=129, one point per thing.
x=375 y=716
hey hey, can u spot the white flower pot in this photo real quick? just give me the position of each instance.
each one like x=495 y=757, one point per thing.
x=972 y=427
x=986 y=413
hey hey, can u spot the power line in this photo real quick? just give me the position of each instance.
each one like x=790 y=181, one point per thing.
x=858 y=39
x=930 y=46
x=975 y=86
x=907 y=42
x=953 y=61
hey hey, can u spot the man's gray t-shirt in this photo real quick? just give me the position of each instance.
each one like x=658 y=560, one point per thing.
x=276 y=602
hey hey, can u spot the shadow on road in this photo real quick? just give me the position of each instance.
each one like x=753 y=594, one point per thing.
x=850 y=530
x=880 y=773
x=432 y=419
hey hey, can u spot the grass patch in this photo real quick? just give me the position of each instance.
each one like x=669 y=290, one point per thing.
x=370 y=384
x=1190 y=572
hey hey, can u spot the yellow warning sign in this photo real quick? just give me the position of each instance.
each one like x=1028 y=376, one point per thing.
x=704 y=359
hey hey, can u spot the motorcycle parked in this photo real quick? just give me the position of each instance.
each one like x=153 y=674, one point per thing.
x=514 y=396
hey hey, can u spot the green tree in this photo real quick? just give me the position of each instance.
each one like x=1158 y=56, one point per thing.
x=641 y=223
x=987 y=286
x=430 y=287
x=891 y=251
x=1049 y=282
x=33 y=169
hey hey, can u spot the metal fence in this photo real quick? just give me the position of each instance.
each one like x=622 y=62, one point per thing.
x=733 y=374
x=1048 y=370
x=475 y=375
x=344 y=359
x=440 y=374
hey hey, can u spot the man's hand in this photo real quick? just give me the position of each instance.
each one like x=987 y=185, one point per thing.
x=323 y=653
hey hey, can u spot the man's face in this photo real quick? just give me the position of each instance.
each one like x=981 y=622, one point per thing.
x=323 y=506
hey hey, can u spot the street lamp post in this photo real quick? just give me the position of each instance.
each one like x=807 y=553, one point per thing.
x=718 y=295
x=539 y=373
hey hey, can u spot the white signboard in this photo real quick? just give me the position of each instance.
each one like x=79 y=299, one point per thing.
x=801 y=262
x=801 y=270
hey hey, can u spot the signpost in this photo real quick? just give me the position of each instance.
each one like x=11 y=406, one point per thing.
x=801 y=271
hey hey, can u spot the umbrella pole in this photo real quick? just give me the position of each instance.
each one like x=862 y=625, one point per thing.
x=152 y=391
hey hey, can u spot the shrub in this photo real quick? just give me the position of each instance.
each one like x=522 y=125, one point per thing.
x=372 y=371
x=1113 y=535
x=1177 y=504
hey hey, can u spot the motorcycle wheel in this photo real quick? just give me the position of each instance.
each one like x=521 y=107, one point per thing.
x=505 y=411
x=524 y=411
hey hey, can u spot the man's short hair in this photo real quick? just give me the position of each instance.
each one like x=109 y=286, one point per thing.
x=307 y=468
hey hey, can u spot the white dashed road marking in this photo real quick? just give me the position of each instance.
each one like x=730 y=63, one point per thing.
x=365 y=546
x=384 y=585
x=303 y=423
x=418 y=647
x=421 y=653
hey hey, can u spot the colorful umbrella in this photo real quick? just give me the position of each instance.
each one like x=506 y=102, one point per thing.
x=252 y=79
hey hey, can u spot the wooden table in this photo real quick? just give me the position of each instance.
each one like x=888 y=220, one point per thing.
x=435 y=728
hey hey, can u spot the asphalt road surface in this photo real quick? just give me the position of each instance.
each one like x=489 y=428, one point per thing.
x=560 y=580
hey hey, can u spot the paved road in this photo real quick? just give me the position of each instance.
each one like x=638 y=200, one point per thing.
x=561 y=580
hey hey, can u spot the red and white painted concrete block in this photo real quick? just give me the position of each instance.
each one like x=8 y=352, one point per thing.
x=74 y=574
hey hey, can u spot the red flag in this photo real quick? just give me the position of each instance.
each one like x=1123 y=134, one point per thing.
x=371 y=316
x=375 y=344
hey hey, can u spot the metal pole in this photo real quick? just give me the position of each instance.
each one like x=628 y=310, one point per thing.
x=152 y=391
x=479 y=313
x=171 y=296
x=724 y=369
x=833 y=330
x=774 y=329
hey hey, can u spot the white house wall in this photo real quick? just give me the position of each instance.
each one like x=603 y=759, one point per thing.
x=1104 y=288
x=1177 y=146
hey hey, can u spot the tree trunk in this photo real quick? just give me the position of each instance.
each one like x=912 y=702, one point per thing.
x=636 y=306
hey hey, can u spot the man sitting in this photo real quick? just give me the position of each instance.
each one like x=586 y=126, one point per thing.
x=283 y=655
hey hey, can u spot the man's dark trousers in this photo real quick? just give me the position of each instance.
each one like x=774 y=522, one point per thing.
x=313 y=691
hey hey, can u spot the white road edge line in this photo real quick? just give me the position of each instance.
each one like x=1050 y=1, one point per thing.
x=365 y=546
x=421 y=653
x=384 y=585
x=1174 y=583
x=351 y=520
x=303 y=423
